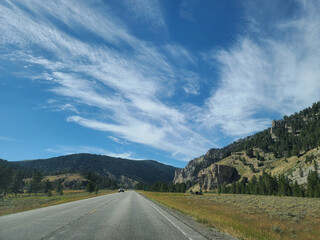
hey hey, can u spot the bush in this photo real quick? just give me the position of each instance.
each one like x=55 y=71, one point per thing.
x=90 y=187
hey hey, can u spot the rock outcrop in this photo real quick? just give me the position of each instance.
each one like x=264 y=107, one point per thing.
x=215 y=175
x=191 y=171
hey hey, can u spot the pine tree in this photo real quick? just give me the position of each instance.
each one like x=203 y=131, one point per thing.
x=284 y=186
x=90 y=186
x=162 y=188
x=296 y=190
x=47 y=186
x=177 y=187
x=224 y=188
x=253 y=185
x=59 y=188
x=183 y=188
x=257 y=155
x=249 y=153
x=97 y=189
x=35 y=184
x=313 y=185
x=234 y=188
x=17 y=183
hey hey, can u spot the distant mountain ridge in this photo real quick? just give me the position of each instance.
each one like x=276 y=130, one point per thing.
x=123 y=170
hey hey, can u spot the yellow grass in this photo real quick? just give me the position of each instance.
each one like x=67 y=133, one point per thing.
x=24 y=203
x=67 y=177
x=248 y=216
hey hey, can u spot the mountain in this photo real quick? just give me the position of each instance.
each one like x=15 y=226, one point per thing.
x=289 y=147
x=127 y=172
x=11 y=166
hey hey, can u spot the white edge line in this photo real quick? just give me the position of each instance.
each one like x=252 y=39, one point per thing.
x=168 y=220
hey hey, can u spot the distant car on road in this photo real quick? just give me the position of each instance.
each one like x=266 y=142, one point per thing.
x=121 y=190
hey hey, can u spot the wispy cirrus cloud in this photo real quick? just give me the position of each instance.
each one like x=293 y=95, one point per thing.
x=107 y=79
x=128 y=86
x=58 y=106
x=148 y=11
x=117 y=140
x=177 y=137
x=7 y=139
x=276 y=73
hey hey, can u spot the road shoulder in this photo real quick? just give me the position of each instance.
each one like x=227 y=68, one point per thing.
x=206 y=231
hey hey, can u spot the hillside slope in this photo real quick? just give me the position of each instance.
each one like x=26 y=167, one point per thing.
x=289 y=147
x=123 y=170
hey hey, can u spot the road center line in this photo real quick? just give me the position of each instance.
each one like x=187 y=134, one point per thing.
x=93 y=211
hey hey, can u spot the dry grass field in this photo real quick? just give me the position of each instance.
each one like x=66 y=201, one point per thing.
x=249 y=216
x=24 y=203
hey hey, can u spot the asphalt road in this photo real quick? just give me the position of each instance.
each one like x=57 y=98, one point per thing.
x=116 y=216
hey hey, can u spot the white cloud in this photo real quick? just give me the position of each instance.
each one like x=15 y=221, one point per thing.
x=131 y=93
x=7 y=139
x=191 y=83
x=129 y=87
x=279 y=74
x=180 y=54
x=148 y=11
x=117 y=140
x=55 y=105
x=168 y=138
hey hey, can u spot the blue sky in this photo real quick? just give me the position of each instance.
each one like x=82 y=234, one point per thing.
x=144 y=79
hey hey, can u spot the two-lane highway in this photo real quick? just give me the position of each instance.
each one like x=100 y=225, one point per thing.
x=116 y=216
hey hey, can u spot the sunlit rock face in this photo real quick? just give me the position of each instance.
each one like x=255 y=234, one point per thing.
x=215 y=175
x=191 y=171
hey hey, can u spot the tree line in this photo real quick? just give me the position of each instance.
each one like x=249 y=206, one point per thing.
x=277 y=186
x=165 y=187
x=12 y=181
x=96 y=182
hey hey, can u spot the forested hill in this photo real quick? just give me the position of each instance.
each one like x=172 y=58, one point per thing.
x=292 y=137
x=147 y=171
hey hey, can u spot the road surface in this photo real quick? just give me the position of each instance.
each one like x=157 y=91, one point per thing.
x=115 y=216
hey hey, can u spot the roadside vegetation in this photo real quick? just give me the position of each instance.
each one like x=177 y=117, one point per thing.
x=19 y=181
x=13 y=203
x=266 y=184
x=165 y=187
x=249 y=216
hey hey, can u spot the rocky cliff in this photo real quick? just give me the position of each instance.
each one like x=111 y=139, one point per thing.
x=240 y=165
x=191 y=171
x=215 y=175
